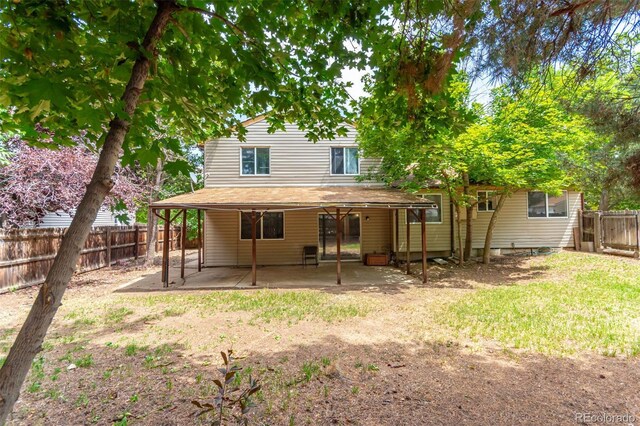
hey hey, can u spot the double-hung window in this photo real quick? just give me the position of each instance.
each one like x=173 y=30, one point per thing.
x=345 y=161
x=486 y=201
x=255 y=161
x=542 y=205
x=432 y=215
x=269 y=227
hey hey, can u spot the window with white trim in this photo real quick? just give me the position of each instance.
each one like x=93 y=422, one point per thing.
x=542 y=205
x=254 y=161
x=432 y=215
x=268 y=227
x=345 y=161
x=487 y=201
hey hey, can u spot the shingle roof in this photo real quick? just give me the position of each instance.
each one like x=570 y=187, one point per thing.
x=293 y=197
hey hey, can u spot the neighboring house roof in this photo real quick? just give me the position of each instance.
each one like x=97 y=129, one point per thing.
x=291 y=198
x=62 y=219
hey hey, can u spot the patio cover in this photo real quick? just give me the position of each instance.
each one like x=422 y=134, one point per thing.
x=295 y=198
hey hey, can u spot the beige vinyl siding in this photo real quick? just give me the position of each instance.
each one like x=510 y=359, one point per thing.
x=294 y=159
x=438 y=234
x=376 y=232
x=223 y=246
x=514 y=225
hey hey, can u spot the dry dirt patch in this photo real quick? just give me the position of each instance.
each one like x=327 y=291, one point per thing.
x=383 y=359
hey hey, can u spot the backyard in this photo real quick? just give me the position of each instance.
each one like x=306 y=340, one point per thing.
x=525 y=340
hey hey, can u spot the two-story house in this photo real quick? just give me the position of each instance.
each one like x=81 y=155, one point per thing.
x=267 y=199
x=272 y=198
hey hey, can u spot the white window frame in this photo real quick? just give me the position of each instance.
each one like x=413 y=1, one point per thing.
x=487 y=192
x=345 y=160
x=546 y=201
x=255 y=161
x=406 y=220
x=260 y=224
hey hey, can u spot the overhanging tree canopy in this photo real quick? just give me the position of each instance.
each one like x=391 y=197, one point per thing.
x=116 y=69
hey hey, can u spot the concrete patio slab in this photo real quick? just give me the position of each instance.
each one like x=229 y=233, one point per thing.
x=221 y=278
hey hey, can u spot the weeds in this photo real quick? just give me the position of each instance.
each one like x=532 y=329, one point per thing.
x=228 y=398
x=310 y=370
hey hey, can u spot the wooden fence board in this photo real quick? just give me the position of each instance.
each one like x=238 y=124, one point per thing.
x=619 y=230
x=27 y=254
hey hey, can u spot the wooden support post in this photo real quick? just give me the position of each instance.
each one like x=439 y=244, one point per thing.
x=597 y=232
x=183 y=241
x=338 y=241
x=108 y=240
x=397 y=240
x=408 y=242
x=136 y=247
x=423 y=225
x=199 y=243
x=253 y=248
x=165 y=248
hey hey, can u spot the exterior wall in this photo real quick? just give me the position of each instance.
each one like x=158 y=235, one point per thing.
x=295 y=161
x=515 y=227
x=438 y=234
x=223 y=246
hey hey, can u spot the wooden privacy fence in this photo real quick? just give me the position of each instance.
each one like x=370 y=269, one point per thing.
x=27 y=254
x=610 y=231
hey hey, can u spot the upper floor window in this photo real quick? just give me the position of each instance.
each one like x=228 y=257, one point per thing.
x=255 y=161
x=432 y=215
x=541 y=204
x=344 y=161
x=269 y=227
x=486 y=201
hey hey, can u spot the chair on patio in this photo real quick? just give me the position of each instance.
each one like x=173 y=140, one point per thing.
x=310 y=252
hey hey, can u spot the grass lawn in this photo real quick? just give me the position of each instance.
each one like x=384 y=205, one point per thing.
x=593 y=303
x=524 y=340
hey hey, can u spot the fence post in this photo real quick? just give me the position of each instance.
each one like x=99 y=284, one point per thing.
x=580 y=229
x=597 y=232
x=637 y=233
x=136 y=247
x=108 y=246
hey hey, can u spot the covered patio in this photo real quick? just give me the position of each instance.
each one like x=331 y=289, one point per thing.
x=227 y=278
x=251 y=203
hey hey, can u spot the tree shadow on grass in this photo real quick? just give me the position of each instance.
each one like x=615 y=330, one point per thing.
x=503 y=271
x=333 y=381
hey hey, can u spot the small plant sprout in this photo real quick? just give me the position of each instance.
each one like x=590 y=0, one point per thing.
x=229 y=396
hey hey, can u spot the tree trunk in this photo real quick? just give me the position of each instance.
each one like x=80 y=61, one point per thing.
x=486 y=253
x=604 y=200
x=152 y=219
x=469 y=208
x=29 y=340
x=459 y=234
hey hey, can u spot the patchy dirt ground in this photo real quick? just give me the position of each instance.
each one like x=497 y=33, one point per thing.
x=364 y=356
